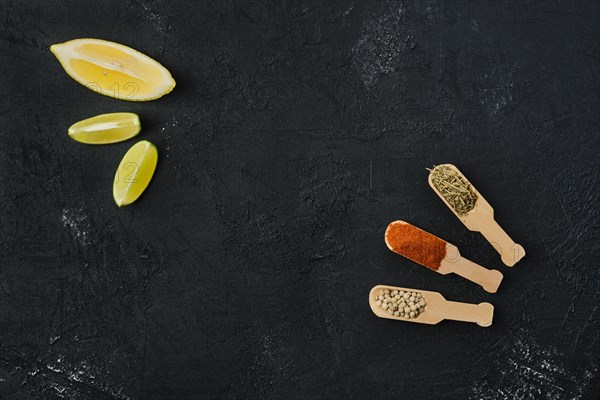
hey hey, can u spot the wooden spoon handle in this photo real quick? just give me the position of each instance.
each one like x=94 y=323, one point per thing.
x=510 y=252
x=482 y=313
x=488 y=279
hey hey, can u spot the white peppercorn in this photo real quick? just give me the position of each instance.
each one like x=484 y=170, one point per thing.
x=401 y=304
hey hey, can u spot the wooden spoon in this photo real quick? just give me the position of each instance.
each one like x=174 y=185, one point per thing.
x=421 y=247
x=481 y=219
x=437 y=309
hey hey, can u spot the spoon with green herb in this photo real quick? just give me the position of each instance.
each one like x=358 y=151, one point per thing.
x=473 y=210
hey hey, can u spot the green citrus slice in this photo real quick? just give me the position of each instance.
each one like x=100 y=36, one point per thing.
x=106 y=128
x=134 y=173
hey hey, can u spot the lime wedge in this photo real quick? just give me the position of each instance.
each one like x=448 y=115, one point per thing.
x=134 y=173
x=106 y=128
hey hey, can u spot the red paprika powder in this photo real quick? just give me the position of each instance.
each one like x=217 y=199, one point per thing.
x=415 y=244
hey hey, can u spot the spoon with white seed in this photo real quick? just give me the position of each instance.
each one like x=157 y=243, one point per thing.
x=437 y=308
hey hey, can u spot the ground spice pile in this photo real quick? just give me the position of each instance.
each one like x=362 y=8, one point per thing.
x=400 y=303
x=453 y=187
x=415 y=244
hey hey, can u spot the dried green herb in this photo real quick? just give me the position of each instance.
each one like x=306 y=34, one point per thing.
x=454 y=188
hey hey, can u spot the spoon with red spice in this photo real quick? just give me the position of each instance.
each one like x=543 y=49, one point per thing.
x=437 y=309
x=438 y=255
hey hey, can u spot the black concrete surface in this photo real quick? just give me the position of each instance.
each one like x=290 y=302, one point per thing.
x=296 y=133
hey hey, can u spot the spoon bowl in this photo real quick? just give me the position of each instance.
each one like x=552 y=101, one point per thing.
x=437 y=308
x=481 y=219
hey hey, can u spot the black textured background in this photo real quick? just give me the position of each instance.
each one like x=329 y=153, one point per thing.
x=296 y=133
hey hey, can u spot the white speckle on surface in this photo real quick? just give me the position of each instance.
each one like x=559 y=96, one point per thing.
x=495 y=99
x=95 y=376
x=431 y=9
x=267 y=346
x=78 y=224
x=53 y=368
x=530 y=371
x=167 y=136
x=59 y=389
x=383 y=45
x=156 y=19
x=496 y=90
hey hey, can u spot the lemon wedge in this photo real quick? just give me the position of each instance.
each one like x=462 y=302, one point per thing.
x=134 y=173
x=106 y=128
x=113 y=69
